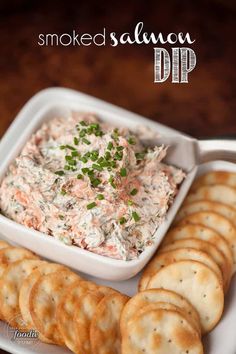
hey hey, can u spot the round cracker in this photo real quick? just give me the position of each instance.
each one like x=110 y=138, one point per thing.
x=84 y=311
x=25 y=289
x=181 y=254
x=169 y=306
x=215 y=177
x=13 y=254
x=207 y=205
x=44 y=298
x=10 y=284
x=202 y=233
x=206 y=247
x=198 y=284
x=217 y=193
x=4 y=244
x=218 y=223
x=160 y=331
x=152 y=296
x=10 y=255
x=105 y=325
x=105 y=290
x=66 y=310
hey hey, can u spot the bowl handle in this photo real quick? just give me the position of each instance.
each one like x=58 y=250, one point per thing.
x=217 y=149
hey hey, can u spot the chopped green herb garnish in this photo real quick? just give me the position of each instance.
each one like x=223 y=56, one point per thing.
x=122 y=220
x=115 y=134
x=72 y=162
x=135 y=216
x=85 y=170
x=104 y=164
x=86 y=141
x=130 y=202
x=68 y=158
x=60 y=173
x=94 y=155
x=110 y=146
x=140 y=155
x=111 y=181
x=63 y=192
x=82 y=133
x=120 y=148
x=97 y=167
x=74 y=154
x=91 y=205
x=123 y=172
x=118 y=155
x=90 y=173
x=67 y=168
x=70 y=147
x=131 y=140
x=83 y=123
x=62 y=147
x=113 y=164
x=95 y=182
x=99 y=133
x=107 y=155
x=94 y=126
x=76 y=141
x=100 y=160
x=134 y=191
x=61 y=217
x=87 y=154
x=84 y=159
x=80 y=176
x=100 y=196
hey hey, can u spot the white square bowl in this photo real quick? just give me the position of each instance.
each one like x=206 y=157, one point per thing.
x=61 y=101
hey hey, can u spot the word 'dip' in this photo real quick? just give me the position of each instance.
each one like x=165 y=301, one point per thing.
x=182 y=63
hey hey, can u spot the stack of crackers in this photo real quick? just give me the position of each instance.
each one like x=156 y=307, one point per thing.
x=181 y=291
x=58 y=304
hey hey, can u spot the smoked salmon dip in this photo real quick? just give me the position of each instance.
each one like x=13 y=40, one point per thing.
x=92 y=185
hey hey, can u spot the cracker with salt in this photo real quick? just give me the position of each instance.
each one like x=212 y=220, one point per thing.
x=206 y=205
x=4 y=244
x=201 y=233
x=220 y=193
x=206 y=247
x=105 y=335
x=25 y=289
x=10 y=284
x=105 y=290
x=152 y=296
x=168 y=306
x=215 y=177
x=84 y=310
x=44 y=298
x=218 y=223
x=165 y=258
x=160 y=331
x=198 y=284
x=66 y=310
x=13 y=254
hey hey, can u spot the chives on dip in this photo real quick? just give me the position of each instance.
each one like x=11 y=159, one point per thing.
x=92 y=185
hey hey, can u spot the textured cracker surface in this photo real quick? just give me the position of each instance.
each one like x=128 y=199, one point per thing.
x=151 y=296
x=198 y=284
x=105 y=326
x=160 y=331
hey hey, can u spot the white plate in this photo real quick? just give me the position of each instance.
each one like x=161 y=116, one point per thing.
x=222 y=340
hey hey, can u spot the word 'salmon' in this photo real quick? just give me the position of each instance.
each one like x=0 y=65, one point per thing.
x=180 y=62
